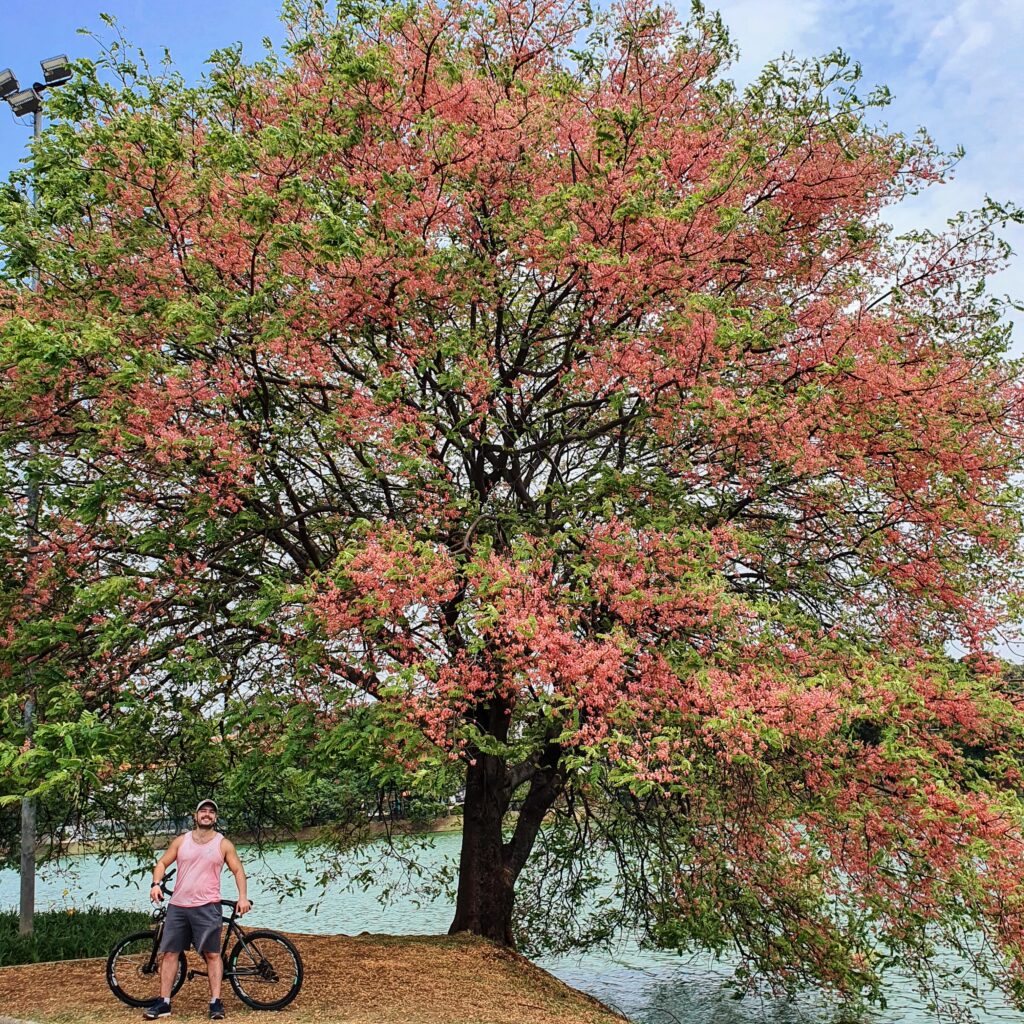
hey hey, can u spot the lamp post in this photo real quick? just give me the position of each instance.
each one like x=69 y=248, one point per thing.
x=56 y=71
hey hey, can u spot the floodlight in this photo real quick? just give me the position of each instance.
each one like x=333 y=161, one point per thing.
x=56 y=70
x=8 y=83
x=28 y=101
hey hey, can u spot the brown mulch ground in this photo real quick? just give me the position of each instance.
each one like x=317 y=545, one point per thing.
x=366 y=979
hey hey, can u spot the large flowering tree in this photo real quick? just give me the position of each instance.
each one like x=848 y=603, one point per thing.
x=522 y=380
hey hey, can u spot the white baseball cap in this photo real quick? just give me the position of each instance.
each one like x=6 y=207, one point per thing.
x=203 y=803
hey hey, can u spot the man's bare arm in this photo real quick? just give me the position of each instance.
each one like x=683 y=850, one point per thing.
x=169 y=856
x=243 y=906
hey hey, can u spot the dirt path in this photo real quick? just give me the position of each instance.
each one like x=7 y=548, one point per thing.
x=367 y=979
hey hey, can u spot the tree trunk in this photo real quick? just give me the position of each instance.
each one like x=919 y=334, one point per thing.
x=489 y=867
x=26 y=916
x=486 y=886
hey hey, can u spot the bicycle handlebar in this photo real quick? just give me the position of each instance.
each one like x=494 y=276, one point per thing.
x=168 y=875
x=167 y=892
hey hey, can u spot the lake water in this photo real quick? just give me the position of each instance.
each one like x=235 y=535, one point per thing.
x=649 y=987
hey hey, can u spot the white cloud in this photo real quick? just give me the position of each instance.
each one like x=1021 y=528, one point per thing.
x=962 y=40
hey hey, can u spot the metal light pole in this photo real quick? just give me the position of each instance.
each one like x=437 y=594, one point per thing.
x=56 y=71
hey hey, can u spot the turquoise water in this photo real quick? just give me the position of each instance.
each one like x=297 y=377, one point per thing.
x=650 y=987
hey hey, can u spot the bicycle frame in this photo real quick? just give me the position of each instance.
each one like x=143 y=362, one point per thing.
x=232 y=929
x=158 y=933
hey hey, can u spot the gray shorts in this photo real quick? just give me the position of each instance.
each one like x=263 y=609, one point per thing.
x=192 y=926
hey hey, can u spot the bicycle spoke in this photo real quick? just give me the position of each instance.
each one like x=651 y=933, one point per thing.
x=264 y=969
x=133 y=973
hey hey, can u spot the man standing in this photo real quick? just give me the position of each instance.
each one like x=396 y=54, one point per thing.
x=193 y=916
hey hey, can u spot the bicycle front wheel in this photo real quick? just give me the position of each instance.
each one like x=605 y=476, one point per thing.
x=133 y=970
x=265 y=970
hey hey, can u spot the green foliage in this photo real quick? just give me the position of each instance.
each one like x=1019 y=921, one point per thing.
x=66 y=934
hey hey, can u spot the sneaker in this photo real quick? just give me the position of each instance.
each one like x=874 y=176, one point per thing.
x=216 y=1010
x=161 y=1008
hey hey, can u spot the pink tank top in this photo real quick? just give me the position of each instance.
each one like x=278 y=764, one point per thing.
x=199 y=868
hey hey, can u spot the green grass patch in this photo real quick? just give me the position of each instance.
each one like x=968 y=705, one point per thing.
x=66 y=934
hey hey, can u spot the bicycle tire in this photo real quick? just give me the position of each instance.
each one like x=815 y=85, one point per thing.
x=259 y=956
x=126 y=965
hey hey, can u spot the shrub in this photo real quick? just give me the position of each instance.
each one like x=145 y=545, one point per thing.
x=66 y=934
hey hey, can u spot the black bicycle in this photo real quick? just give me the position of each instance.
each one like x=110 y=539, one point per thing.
x=264 y=968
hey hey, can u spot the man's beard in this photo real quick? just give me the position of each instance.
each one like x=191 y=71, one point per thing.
x=204 y=828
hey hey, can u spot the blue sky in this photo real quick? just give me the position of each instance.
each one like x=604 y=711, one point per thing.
x=190 y=29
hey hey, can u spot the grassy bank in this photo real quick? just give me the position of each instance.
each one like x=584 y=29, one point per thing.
x=66 y=934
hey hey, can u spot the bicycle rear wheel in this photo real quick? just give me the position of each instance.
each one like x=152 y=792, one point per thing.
x=133 y=970
x=265 y=970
